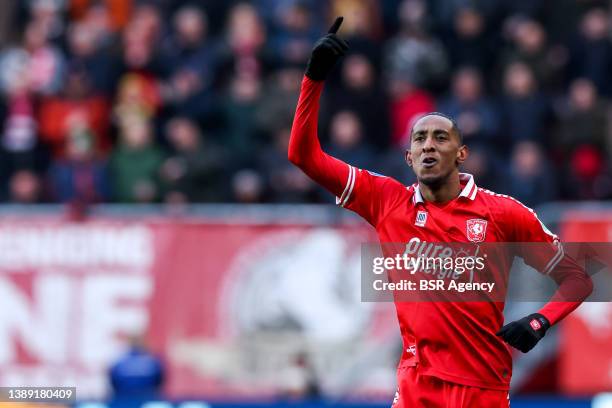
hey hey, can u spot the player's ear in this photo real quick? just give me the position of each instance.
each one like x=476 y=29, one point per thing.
x=462 y=154
x=408 y=156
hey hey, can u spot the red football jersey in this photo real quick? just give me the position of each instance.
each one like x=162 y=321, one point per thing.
x=454 y=341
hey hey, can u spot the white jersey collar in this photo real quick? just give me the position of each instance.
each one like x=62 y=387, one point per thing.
x=469 y=190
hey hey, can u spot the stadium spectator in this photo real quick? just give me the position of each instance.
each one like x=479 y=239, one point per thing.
x=234 y=69
x=487 y=167
x=468 y=42
x=138 y=90
x=47 y=15
x=393 y=165
x=361 y=93
x=77 y=108
x=278 y=98
x=194 y=172
x=241 y=134
x=583 y=142
x=476 y=115
x=80 y=177
x=135 y=163
x=189 y=61
x=36 y=61
x=591 y=54
x=294 y=33
x=346 y=140
x=20 y=136
x=528 y=45
x=588 y=174
x=248 y=187
x=243 y=51
x=88 y=52
x=583 y=119
x=138 y=373
x=284 y=182
x=413 y=53
x=25 y=187
x=531 y=178
x=525 y=110
x=20 y=145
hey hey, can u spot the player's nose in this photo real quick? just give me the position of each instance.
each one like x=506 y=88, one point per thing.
x=429 y=144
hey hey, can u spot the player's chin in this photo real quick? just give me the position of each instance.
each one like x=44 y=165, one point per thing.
x=430 y=178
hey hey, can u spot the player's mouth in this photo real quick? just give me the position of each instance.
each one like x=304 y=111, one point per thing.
x=429 y=162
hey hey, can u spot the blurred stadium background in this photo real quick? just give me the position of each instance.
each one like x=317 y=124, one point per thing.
x=156 y=245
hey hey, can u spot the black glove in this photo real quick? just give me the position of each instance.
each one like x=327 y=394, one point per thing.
x=525 y=333
x=325 y=53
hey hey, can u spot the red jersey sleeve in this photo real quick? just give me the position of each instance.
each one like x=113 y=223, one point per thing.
x=368 y=194
x=574 y=285
x=526 y=227
x=304 y=147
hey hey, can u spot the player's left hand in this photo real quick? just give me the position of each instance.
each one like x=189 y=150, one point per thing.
x=525 y=333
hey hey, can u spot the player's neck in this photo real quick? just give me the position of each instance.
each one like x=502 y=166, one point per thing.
x=442 y=193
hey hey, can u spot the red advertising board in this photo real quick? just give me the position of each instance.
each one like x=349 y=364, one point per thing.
x=586 y=337
x=232 y=309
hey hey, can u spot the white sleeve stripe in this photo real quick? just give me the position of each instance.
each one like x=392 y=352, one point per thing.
x=544 y=227
x=554 y=260
x=348 y=183
x=348 y=195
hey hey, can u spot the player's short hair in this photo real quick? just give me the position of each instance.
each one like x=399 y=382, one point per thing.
x=455 y=127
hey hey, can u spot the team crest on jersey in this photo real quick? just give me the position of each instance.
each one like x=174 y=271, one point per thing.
x=476 y=229
x=421 y=219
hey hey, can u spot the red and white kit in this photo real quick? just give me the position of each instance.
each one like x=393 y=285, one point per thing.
x=451 y=353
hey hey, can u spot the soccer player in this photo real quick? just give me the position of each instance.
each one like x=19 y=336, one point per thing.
x=455 y=354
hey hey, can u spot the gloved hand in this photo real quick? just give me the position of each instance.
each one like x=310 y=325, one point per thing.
x=525 y=333
x=325 y=53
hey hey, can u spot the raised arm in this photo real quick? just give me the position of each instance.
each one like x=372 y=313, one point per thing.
x=304 y=147
x=368 y=194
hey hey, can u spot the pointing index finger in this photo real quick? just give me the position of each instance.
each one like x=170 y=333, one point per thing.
x=334 y=28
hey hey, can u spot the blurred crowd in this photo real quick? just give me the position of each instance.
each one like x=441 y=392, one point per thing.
x=192 y=101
